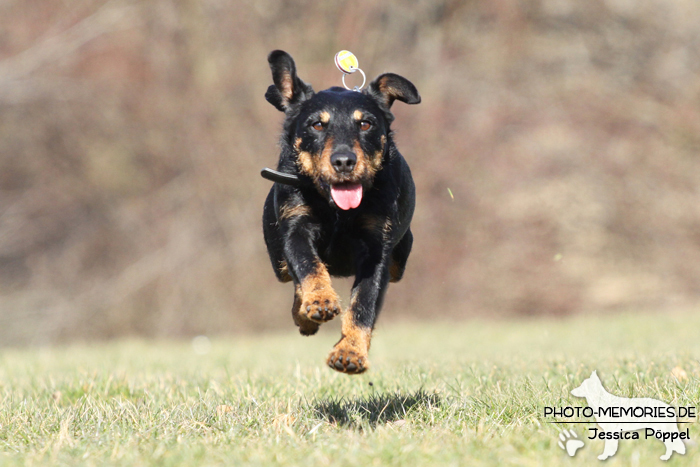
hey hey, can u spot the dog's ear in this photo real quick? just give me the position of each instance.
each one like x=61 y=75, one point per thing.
x=388 y=87
x=288 y=89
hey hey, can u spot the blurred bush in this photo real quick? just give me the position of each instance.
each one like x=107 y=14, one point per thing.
x=132 y=133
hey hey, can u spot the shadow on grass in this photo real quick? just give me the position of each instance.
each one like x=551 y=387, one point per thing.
x=375 y=409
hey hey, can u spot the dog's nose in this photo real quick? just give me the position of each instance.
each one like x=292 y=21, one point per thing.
x=343 y=162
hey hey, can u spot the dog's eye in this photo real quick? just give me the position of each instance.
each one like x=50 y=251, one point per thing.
x=318 y=126
x=365 y=125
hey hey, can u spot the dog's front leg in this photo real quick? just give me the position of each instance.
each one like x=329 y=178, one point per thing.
x=350 y=354
x=315 y=301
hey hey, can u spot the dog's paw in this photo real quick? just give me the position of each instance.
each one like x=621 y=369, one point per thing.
x=320 y=306
x=347 y=359
x=307 y=327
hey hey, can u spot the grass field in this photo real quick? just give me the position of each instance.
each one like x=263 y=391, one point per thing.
x=471 y=394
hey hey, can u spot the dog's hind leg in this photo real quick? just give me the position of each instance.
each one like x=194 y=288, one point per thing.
x=679 y=446
x=609 y=450
x=671 y=446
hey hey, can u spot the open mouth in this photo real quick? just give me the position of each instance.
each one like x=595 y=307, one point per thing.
x=347 y=195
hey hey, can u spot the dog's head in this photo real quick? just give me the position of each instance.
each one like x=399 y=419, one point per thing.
x=590 y=386
x=339 y=137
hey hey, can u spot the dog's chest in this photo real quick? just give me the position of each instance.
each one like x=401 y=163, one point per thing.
x=340 y=244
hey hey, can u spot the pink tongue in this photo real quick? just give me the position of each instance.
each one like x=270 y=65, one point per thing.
x=347 y=196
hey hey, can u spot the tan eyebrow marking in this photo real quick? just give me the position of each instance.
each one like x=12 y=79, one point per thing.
x=357 y=115
x=325 y=117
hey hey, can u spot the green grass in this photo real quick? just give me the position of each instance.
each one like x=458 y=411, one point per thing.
x=471 y=394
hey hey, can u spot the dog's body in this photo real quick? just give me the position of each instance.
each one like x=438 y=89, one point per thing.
x=597 y=397
x=349 y=214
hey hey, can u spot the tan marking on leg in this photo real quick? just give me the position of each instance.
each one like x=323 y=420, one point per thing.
x=350 y=354
x=287 y=211
x=284 y=271
x=356 y=336
x=320 y=303
x=357 y=115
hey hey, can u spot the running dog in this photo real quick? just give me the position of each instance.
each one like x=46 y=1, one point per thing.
x=342 y=203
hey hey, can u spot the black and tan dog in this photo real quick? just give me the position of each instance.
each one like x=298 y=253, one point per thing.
x=346 y=207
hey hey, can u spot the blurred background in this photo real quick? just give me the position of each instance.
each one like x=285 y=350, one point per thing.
x=556 y=154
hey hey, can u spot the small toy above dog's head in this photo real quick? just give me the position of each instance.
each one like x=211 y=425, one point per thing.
x=348 y=64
